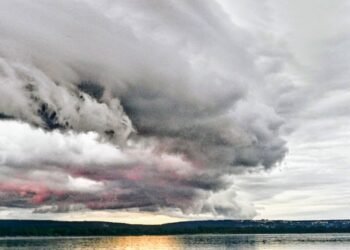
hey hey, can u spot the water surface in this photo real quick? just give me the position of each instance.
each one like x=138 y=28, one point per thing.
x=191 y=242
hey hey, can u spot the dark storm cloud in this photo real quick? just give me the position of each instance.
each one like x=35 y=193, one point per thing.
x=168 y=83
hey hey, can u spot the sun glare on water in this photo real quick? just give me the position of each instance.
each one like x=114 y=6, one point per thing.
x=138 y=242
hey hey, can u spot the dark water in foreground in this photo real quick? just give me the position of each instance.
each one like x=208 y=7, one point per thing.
x=205 y=242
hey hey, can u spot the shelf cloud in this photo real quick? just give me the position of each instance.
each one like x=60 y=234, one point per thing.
x=128 y=105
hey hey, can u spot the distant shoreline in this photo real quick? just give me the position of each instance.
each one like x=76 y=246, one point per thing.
x=22 y=228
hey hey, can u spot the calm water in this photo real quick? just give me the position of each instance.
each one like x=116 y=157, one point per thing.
x=205 y=242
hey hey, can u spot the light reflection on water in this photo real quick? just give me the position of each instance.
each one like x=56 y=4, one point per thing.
x=139 y=242
x=191 y=242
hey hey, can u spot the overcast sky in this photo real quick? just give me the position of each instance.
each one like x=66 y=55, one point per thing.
x=157 y=111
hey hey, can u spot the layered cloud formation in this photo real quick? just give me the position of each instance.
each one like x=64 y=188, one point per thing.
x=132 y=105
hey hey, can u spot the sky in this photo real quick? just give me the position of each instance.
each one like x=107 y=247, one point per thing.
x=159 y=111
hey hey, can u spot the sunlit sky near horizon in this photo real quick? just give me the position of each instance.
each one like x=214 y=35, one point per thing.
x=151 y=112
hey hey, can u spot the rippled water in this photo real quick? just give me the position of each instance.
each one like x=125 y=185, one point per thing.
x=205 y=242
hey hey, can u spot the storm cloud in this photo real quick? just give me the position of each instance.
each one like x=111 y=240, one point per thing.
x=131 y=104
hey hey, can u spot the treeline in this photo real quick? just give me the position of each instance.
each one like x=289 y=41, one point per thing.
x=61 y=228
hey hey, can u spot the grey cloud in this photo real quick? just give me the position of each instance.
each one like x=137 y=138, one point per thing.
x=178 y=87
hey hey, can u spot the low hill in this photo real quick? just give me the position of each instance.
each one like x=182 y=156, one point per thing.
x=64 y=228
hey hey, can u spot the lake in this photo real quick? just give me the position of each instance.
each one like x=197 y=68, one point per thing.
x=191 y=242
